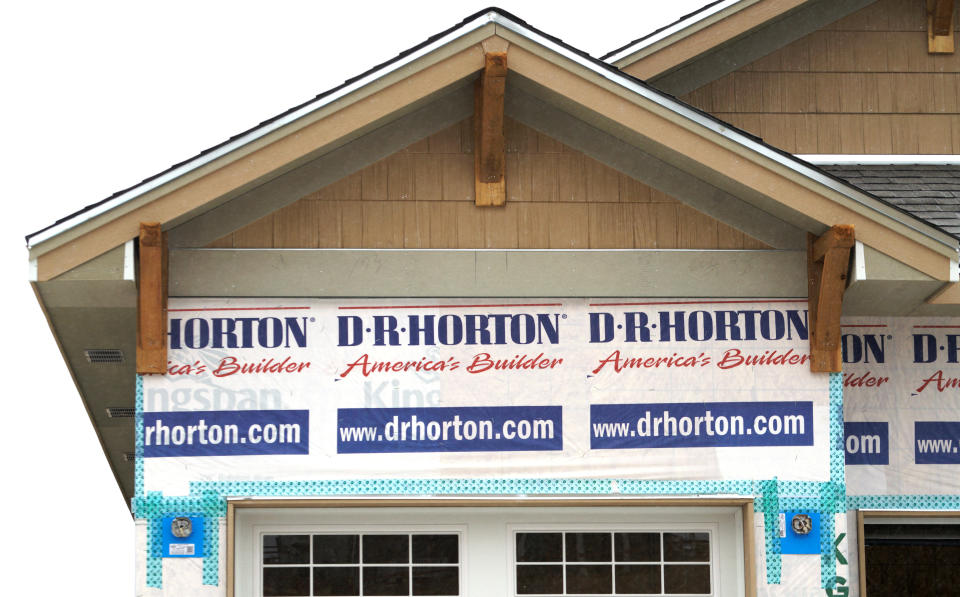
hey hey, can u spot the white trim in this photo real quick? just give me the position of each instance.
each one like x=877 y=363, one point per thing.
x=129 y=267
x=859 y=264
x=673 y=29
x=32 y=271
x=841 y=159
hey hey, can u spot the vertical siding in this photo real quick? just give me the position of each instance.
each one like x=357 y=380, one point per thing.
x=423 y=197
x=864 y=84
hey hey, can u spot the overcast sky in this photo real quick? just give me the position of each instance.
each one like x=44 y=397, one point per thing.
x=99 y=95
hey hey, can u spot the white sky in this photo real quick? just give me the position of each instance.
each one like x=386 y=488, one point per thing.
x=97 y=96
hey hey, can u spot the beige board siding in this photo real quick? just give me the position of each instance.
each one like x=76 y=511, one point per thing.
x=863 y=84
x=423 y=198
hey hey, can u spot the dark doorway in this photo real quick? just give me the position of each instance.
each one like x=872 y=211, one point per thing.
x=912 y=559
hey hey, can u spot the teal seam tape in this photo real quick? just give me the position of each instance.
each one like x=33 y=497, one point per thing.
x=770 y=500
x=833 y=494
x=903 y=502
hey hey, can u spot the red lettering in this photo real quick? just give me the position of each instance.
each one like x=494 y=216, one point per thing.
x=943 y=383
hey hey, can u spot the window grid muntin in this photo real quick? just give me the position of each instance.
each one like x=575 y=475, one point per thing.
x=564 y=562
x=409 y=565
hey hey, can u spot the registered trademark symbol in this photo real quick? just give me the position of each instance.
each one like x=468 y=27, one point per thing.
x=313 y=319
x=889 y=337
x=564 y=316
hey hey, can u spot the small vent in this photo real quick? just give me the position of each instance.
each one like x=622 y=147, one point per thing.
x=129 y=456
x=104 y=355
x=120 y=412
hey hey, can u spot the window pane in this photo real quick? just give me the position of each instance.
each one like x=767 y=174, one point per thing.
x=637 y=547
x=436 y=549
x=637 y=579
x=539 y=547
x=588 y=547
x=436 y=580
x=592 y=580
x=686 y=579
x=336 y=581
x=286 y=549
x=686 y=547
x=539 y=579
x=386 y=549
x=336 y=549
x=386 y=580
x=286 y=581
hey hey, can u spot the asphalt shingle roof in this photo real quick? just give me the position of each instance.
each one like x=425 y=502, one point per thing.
x=931 y=193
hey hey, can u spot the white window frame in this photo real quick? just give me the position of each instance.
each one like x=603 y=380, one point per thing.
x=712 y=529
x=353 y=529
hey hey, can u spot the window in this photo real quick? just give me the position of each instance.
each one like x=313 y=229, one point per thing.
x=549 y=550
x=627 y=562
x=348 y=564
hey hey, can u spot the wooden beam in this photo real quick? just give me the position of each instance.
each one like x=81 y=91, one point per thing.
x=152 y=300
x=488 y=144
x=828 y=259
x=940 y=26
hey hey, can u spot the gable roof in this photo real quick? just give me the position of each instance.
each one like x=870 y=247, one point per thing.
x=531 y=43
x=929 y=192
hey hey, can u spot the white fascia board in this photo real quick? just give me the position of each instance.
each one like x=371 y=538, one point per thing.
x=680 y=29
x=728 y=132
x=843 y=159
x=258 y=133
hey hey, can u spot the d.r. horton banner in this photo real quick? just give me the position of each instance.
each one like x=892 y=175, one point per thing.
x=902 y=405
x=261 y=389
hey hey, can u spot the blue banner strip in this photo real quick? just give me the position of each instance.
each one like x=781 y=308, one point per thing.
x=937 y=442
x=449 y=429
x=701 y=425
x=226 y=433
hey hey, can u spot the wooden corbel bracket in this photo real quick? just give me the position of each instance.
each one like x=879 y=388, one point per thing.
x=152 y=300
x=491 y=188
x=828 y=262
x=940 y=26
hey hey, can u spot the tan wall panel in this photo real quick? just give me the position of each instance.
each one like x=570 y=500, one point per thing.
x=423 y=197
x=854 y=133
x=864 y=84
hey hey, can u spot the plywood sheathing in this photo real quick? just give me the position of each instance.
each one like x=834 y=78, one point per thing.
x=865 y=84
x=423 y=197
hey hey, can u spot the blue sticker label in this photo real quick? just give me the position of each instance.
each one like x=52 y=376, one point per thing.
x=449 y=429
x=937 y=442
x=190 y=542
x=226 y=433
x=866 y=442
x=701 y=425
